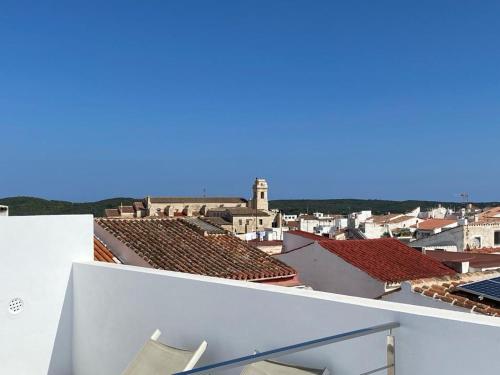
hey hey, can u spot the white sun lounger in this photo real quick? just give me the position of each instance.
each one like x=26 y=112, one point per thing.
x=279 y=368
x=156 y=358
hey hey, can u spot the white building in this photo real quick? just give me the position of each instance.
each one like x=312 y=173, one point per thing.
x=64 y=313
x=475 y=235
x=378 y=226
x=364 y=268
x=4 y=210
x=320 y=223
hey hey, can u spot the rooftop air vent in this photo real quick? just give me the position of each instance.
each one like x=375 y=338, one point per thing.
x=16 y=305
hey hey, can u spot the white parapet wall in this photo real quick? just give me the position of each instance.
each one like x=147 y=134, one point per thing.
x=37 y=253
x=118 y=307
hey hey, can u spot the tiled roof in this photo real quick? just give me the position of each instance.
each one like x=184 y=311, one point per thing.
x=476 y=260
x=203 y=225
x=245 y=211
x=381 y=219
x=402 y=219
x=265 y=243
x=311 y=236
x=444 y=289
x=111 y=212
x=387 y=259
x=215 y=220
x=173 y=245
x=198 y=200
x=127 y=209
x=493 y=212
x=431 y=224
x=484 y=250
x=138 y=206
x=102 y=254
x=292 y=224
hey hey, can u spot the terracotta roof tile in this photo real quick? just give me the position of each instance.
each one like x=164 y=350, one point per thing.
x=138 y=206
x=476 y=260
x=173 y=245
x=102 y=254
x=484 y=250
x=431 y=224
x=387 y=259
x=444 y=289
x=200 y=200
x=111 y=212
x=126 y=209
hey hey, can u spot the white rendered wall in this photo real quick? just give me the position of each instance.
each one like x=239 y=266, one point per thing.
x=324 y=271
x=118 y=307
x=36 y=254
x=405 y=295
x=294 y=241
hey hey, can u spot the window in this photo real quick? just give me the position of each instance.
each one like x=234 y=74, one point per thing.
x=497 y=238
x=476 y=242
x=241 y=222
x=261 y=195
x=260 y=221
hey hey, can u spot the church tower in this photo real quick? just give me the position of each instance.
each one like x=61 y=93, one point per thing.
x=259 y=200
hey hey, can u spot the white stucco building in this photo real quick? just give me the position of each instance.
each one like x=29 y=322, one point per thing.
x=364 y=268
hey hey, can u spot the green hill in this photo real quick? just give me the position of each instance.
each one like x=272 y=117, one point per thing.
x=19 y=206
x=345 y=206
x=37 y=206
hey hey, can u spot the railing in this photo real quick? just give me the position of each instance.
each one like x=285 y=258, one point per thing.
x=274 y=353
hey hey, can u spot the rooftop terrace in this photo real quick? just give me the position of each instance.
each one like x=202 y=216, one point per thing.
x=77 y=316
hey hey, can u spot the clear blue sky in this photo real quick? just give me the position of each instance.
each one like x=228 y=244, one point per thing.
x=367 y=99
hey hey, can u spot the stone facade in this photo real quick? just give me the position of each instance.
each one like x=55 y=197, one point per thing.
x=470 y=236
x=242 y=216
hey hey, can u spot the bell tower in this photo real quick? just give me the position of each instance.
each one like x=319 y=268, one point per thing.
x=259 y=200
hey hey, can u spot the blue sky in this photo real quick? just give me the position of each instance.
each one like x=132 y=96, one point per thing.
x=367 y=99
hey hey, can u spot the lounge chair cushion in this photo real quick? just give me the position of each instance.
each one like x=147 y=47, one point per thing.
x=156 y=358
x=278 y=368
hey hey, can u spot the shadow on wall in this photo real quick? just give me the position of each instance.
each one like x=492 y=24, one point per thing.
x=61 y=361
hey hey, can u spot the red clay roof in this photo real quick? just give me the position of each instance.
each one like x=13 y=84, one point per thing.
x=266 y=243
x=111 y=212
x=476 y=260
x=138 y=206
x=387 y=259
x=101 y=252
x=431 y=224
x=444 y=289
x=173 y=245
x=484 y=250
x=311 y=236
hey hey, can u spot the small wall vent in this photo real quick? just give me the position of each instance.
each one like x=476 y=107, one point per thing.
x=16 y=305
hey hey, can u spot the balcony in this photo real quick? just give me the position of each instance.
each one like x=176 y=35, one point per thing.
x=63 y=313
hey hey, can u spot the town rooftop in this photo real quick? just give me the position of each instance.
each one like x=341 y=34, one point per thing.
x=83 y=317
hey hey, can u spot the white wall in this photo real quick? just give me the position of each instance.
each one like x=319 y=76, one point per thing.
x=36 y=261
x=405 y=295
x=117 y=307
x=322 y=270
x=125 y=254
x=294 y=241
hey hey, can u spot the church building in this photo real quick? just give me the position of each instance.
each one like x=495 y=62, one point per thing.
x=237 y=213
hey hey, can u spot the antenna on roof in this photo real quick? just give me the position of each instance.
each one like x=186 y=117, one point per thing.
x=465 y=197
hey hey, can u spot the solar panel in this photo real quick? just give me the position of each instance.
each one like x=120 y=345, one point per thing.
x=486 y=288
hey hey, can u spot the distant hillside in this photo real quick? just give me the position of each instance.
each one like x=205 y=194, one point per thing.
x=36 y=206
x=19 y=206
x=344 y=206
